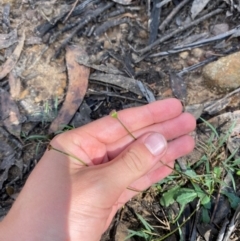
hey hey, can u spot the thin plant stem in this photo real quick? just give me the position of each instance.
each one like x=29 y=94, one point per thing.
x=115 y=115
x=50 y=147
x=134 y=190
x=169 y=234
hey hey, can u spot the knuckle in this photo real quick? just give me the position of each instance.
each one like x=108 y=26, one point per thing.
x=133 y=161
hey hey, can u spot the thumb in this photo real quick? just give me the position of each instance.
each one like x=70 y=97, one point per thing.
x=134 y=162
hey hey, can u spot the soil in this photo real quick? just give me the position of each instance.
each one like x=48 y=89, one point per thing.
x=41 y=81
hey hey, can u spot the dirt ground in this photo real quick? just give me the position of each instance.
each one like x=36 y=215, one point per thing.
x=35 y=36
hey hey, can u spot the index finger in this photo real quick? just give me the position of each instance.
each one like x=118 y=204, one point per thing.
x=109 y=129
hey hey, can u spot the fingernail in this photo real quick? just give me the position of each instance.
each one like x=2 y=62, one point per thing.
x=156 y=143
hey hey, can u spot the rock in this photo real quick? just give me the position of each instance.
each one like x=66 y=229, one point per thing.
x=220 y=28
x=223 y=75
x=197 y=53
x=184 y=55
x=121 y=232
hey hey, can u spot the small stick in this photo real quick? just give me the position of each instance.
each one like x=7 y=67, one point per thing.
x=73 y=7
x=172 y=14
x=88 y=18
x=177 y=31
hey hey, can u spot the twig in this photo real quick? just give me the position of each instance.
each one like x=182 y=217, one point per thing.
x=162 y=3
x=209 y=40
x=206 y=61
x=216 y=204
x=154 y=22
x=222 y=230
x=91 y=16
x=109 y=24
x=177 y=31
x=196 y=222
x=107 y=93
x=172 y=14
x=73 y=7
x=146 y=92
x=169 y=234
x=233 y=223
x=195 y=66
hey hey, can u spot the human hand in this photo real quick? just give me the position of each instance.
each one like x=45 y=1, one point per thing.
x=64 y=200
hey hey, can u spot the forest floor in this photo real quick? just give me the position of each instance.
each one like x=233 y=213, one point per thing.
x=138 y=52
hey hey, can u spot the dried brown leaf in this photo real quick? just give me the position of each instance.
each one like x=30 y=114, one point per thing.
x=6 y=40
x=10 y=114
x=11 y=62
x=178 y=86
x=129 y=84
x=78 y=81
x=15 y=85
x=198 y=6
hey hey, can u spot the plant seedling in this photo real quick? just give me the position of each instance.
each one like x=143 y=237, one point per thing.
x=114 y=114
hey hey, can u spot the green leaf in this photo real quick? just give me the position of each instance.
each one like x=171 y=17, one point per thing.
x=190 y=173
x=210 y=126
x=205 y=216
x=204 y=199
x=232 y=198
x=186 y=196
x=140 y=233
x=145 y=223
x=217 y=172
x=209 y=184
x=168 y=197
x=238 y=172
x=236 y=162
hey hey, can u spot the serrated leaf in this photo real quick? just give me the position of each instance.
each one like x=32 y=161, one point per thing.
x=204 y=198
x=232 y=198
x=187 y=196
x=190 y=173
x=168 y=197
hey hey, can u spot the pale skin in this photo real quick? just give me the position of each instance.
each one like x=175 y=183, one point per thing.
x=64 y=200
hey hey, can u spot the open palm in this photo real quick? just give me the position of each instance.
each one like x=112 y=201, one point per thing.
x=82 y=199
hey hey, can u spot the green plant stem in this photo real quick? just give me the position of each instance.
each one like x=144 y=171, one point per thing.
x=134 y=190
x=50 y=147
x=115 y=115
x=169 y=234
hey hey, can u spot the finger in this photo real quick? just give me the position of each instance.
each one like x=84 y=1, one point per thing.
x=176 y=149
x=90 y=150
x=114 y=177
x=171 y=129
x=109 y=129
x=162 y=172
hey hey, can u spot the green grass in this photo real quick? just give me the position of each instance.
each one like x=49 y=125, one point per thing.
x=200 y=183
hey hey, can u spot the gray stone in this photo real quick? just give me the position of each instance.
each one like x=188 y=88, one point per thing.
x=223 y=75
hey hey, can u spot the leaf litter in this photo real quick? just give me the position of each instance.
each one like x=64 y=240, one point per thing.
x=11 y=116
x=125 y=48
